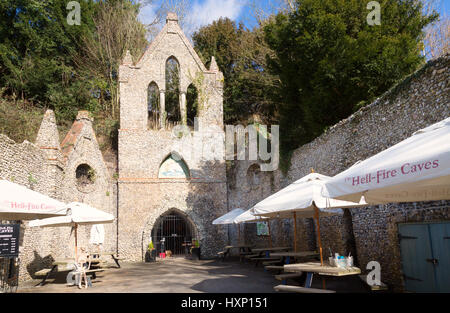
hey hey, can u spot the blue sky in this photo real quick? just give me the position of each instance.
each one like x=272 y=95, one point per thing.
x=203 y=12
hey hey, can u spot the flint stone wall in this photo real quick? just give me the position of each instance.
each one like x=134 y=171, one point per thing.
x=369 y=233
x=27 y=165
x=43 y=168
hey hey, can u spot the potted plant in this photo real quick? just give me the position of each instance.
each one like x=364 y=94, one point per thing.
x=150 y=255
x=195 y=249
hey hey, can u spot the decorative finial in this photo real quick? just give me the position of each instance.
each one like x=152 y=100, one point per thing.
x=171 y=16
x=213 y=67
x=127 y=60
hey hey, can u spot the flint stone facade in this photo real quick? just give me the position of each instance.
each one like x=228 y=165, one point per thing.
x=49 y=167
x=143 y=195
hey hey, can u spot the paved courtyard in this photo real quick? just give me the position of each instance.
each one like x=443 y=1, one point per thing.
x=178 y=275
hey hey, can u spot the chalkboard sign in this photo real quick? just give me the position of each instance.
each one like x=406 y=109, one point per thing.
x=9 y=240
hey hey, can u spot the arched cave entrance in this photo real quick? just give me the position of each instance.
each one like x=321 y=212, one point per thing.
x=177 y=230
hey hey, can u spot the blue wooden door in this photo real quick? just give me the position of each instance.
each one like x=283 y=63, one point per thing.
x=440 y=241
x=415 y=247
x=425 y=253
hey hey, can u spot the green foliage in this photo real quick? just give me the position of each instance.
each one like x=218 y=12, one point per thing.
x=240 y=55
x=330 y=61
x=36 y=45
x=18 y=112
x=47 y=63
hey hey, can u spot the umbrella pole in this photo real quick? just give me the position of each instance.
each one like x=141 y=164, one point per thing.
x=270 y=234
x=316 y=211
x=295 y=232
x=239 y=234
x=76 y=243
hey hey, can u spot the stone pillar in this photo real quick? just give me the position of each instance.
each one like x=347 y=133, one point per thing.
x=183 y=108
x=162 y=104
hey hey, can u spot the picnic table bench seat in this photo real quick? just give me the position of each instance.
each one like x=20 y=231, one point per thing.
x=287 y=276
x=259 y=259
x=299 y=289
x=271 y=262
x=223 y=254
x=114 y=256
x=43 y=272
x=273 y=267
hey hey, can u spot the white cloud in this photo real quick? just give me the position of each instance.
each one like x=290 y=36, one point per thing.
x=206 y=11
x=200 y=12
x=147 y=13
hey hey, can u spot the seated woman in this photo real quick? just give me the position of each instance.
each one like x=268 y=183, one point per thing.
x=82 y=264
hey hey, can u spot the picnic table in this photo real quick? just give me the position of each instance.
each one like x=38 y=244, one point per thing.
x=243 y=250
x=112 y=254
x=268 y=250
x=310 y=268
x=63 y=265
x=291 y=254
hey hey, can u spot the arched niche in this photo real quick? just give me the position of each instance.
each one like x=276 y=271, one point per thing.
x=191 y=104
x=172 y=96
x=153 y=105
x=173 y=166
x=85 y=177
x=176 y=230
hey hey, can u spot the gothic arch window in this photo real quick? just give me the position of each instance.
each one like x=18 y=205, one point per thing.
x=191 y=104
x=173 y=167
x=172 y=101
x=153 y=105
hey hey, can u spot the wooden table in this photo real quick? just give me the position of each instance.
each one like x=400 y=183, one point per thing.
x=112 y=254
x=63 y=265
x=269 y=250
x=291 y=254
x=314 y=267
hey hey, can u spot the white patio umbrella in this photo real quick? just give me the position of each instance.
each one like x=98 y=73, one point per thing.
x=78 y=214
x=17 y=202
x=416 y=169
x=229 y=219
x=303 y=199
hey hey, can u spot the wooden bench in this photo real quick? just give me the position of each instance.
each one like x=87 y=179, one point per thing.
x=299 y=289
x=258 y=259
x=112 y=254
x=250 y=256
x=284 y=277
x=43 y=272
x=271 y=262
x=75 y=280
x=223 y=254
x=278 y=269
x=382 y=286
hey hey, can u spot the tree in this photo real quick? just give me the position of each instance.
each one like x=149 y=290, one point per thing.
x=36 y=45
x=100 y=53
x=241 y=56
x=331 y=62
